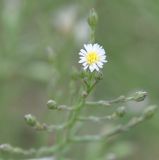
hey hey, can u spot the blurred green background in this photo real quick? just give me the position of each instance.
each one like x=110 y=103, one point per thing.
x=39 y=45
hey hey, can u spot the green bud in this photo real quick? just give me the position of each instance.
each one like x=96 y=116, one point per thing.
x=92 y=18
x=5 y=148
x=149 y=112
x=84 y=94
x=120 y=111
x=139 y=96
x=51 y=104
x=31 y=120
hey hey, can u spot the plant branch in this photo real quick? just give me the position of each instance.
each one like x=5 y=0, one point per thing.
x=138 y=96
x=148 y=113
x=120 y=112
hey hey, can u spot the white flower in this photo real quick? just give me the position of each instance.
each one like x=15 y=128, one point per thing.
x=93 y=57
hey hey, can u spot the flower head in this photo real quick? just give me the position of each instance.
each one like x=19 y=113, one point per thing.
x=92 y=57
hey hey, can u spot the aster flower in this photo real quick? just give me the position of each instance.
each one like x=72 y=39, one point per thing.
x=93 y=57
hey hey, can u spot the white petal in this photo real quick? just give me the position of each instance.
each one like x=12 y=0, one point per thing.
x=82 y=52
x=88 y=47
x=103 y=60
x=96 y=67
x=83 y=58
x=81 y=61
x=84 y=64
x=96 y=46
x=103 y=56
x=91 y=68
x=85 y=67
x=101 y=52
x=100 y=64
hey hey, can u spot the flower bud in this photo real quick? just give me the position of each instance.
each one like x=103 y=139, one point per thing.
x=51 y=104
x=149 y=112
x=92 y=18
x=84 y=94
x=139 y=96
x=120 y=111
x=31 y=120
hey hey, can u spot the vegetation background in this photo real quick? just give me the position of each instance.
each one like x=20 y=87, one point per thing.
x=39 y=45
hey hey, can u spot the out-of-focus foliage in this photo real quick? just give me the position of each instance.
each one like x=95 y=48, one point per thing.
x=39 y=44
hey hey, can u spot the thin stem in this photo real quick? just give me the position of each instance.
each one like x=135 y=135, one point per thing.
x=64 y=107
x=138 y=96
x=97 y=119
x=148 y=113
x=92 y=39
x=8 y=149
x=120 y=112
x=33 y=122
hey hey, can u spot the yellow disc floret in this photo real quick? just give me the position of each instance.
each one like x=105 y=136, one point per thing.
x=92 y=57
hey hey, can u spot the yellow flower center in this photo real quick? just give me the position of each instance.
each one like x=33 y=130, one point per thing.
x=92 y=57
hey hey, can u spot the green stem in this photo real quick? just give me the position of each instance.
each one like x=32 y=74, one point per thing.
x=137 y=97
x=92 y=39
x=148 y=113
x=75 y=114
